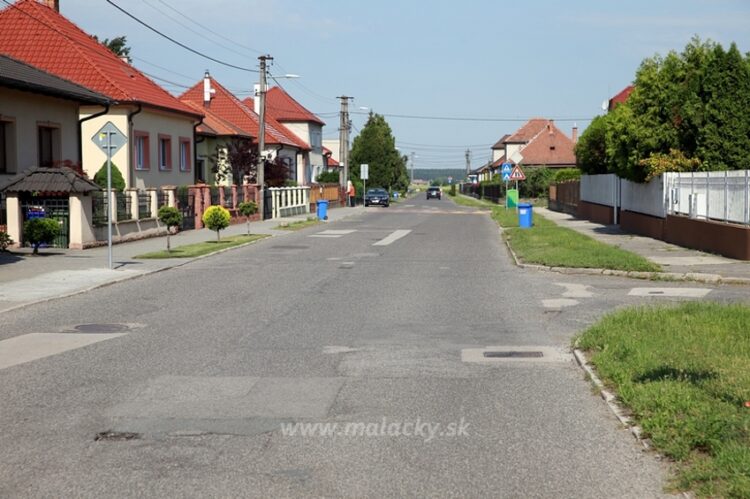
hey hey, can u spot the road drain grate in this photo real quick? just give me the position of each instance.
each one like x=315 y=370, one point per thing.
x=513 y=354
x=100 y=328
x=116 y=436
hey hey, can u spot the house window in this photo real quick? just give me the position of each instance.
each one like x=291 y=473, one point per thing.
x=184 y=155
x=141 y=151
x=165 y=152
x=3 y=147
x=48 y=141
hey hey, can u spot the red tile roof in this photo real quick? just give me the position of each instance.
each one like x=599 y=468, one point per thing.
x=621 y=97
x=215 y=125
x=330 y=162
x=284 y=108
x=528 y=131
x=229 y=108
x=500 y=144
x=40 y=36
x=550 y=147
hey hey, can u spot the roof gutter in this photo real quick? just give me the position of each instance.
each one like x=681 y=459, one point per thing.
x=130 y=137
x=80 y=130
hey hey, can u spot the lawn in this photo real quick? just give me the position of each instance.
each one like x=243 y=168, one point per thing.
x=684 y=372
x=204 y=248
x=462 y=200
x=548 y=244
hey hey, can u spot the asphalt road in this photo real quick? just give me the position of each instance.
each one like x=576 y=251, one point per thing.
x=373 y=324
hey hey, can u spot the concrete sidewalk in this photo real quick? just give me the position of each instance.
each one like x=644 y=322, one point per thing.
x=671 y=258
x=54 y=273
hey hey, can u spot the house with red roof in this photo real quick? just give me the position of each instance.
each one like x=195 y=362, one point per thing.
x=621 y=97
x=303 y=124
x=158 y=127
x=228 y=117
x=539 y=142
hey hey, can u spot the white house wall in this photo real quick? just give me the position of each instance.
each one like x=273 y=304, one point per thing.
x=26 y=111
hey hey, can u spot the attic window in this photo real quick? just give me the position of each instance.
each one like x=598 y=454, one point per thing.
x=552 y=148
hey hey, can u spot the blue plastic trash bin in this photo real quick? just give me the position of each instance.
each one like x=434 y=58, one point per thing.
x=322 y=205
x=525 y=215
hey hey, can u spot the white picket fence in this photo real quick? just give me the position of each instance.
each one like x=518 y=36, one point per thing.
x=722 y=196
x=289 y=201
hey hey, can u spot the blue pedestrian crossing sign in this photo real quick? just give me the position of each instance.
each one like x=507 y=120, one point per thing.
x=506 y=171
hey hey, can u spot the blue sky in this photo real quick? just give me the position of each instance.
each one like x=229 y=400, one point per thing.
x=497 y=60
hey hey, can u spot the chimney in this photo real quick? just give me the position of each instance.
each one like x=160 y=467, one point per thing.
x=52 y=4
x=208 y=92
x=575 y=133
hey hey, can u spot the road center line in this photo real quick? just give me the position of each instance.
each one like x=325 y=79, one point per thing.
x=392 y=237
x=34 y=346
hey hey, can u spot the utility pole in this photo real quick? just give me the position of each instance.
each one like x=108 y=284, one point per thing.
x=262 y=132
x=412 y=168
x=344 y=127
x=468 y=162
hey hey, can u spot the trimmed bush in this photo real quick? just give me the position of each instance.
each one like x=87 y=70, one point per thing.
x=247 y=209
x=328 y=178
x=565 y=174
x=118 y=182
x=38 y=231
x=216 y=218
x=5 y=241
x=171 y=217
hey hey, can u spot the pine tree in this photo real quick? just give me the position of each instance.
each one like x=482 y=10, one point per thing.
x=376 y=147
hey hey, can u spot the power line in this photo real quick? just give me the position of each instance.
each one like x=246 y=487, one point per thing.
x=454 y=118
x=190 y=49
x=191 y=29
x=208 y=29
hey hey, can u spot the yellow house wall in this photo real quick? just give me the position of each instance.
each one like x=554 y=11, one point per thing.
x=148 y=120
x=26 y=110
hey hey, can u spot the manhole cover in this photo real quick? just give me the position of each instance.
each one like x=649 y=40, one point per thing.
x=512 y=355
x=100 y=328
x=116 y=436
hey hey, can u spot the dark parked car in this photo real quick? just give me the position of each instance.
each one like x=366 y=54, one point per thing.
x=378 y=197
x=434 y=192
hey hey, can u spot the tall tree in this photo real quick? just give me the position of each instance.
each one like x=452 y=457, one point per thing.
x=118 y=46
x=376 y=146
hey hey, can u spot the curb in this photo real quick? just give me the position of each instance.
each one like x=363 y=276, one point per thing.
x=611 y=400
x=652 y=276
x=132 y=277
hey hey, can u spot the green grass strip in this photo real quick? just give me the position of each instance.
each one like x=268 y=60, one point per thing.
x=684 y=372
x=548 y=244
x=204 y=248
x=299 y=224
x=462 y=200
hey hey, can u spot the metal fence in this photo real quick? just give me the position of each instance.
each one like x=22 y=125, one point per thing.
x=723 y=196
x=144 y=205
x=227 y=196
x=124 y=211
x=99 y=208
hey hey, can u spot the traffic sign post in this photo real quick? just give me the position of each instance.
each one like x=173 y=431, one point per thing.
x=507 y=168
x=364 y=174
x=110 y=140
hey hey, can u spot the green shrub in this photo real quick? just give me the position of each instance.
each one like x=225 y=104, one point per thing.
x=537 y=182
x=565 y=174
x=328 y=178
x=216 y=218
x=247 y=209
x=38 y=231
x=452 y=191
x=5 y=241
x=118 y=182
x=171 y=217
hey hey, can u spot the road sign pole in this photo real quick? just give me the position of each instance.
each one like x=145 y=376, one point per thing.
x=109 y=199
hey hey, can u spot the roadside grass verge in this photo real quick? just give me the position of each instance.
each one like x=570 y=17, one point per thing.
x=462 y=200
x=548 y=244
x=204 y=248
x=684 y=372
x=299 y=224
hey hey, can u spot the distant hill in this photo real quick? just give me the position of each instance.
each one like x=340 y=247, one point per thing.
x=430 y=174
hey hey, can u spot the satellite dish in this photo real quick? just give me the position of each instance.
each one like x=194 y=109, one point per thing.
x=605 y=105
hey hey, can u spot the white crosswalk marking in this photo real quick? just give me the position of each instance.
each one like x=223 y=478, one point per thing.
x=332 y=233
x=392 y=237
